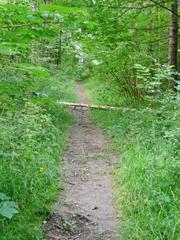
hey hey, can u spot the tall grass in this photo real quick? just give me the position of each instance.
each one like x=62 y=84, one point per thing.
x=148 y=170
x=33 y=132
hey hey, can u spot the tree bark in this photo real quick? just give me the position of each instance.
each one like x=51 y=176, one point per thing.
x=173 y=36
x=59 y=55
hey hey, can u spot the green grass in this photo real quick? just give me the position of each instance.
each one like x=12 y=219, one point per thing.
x=33 y=132
x=147 y=173
x=106 y=93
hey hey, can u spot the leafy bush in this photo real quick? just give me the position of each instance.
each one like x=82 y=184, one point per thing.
x=33 y=131
x=153 y=79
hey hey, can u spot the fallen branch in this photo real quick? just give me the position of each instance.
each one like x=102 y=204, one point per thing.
x=93 y=106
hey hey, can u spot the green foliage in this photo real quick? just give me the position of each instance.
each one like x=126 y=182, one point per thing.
x=33 y=131
x=114 y=44
x=155 y=79
x=35 y=70
x=5 y=50
x=64 y=10
x=126 y=38
x=60 y=78
x=147 y=175
x=7 y=208
x=33 y=126
x=125 y=44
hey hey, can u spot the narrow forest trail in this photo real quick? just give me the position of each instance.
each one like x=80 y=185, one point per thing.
x=84 y=210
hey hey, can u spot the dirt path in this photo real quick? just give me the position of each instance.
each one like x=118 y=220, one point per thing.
x=84 y=210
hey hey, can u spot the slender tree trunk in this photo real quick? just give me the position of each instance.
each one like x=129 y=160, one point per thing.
x=150 y=30
x=59 y=55
x=173 y=36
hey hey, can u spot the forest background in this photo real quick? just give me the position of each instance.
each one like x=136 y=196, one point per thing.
x=127 y=54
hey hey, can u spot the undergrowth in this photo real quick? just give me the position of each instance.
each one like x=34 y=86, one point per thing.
x=33 y=132
x=147 y=173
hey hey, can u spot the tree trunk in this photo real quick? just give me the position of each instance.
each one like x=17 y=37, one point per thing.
x=173 y=36
x=59 y=55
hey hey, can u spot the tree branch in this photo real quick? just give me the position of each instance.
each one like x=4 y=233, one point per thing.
x=162 y=6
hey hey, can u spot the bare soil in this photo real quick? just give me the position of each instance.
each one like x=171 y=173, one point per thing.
x=84 y=210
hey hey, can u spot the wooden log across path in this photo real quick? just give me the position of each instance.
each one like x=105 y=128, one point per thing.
x=100 y=107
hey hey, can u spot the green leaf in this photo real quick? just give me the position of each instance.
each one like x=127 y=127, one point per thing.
x=3 y=196
x=8 y=209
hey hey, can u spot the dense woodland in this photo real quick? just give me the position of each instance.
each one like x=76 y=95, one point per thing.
x=126 y=53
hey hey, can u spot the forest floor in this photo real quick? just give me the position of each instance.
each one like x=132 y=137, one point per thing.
x=84 y=209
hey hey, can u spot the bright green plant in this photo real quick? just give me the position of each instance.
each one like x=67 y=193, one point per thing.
x=7 y=208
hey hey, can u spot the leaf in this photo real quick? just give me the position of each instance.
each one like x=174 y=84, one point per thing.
x=8 y=209
x=3 y=196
